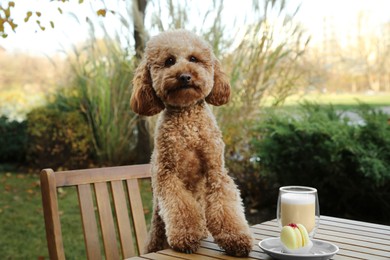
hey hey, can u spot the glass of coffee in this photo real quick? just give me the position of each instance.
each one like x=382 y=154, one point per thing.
x=299 y=204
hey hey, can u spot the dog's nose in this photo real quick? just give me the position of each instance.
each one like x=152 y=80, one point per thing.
x=185 y=78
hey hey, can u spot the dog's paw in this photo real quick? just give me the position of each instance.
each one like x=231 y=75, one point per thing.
x=185 y=243
x=235 y=244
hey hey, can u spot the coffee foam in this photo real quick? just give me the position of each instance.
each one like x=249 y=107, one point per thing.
x=297 y=198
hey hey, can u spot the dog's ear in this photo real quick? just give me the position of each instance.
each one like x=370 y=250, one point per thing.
x=144 y=100
x=220 y=93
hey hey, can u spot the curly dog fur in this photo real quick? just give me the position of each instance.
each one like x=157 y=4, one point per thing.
x=193 y=194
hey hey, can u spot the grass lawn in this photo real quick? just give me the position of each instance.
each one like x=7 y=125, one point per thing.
x=21 y=218
x=341 y=100
x=22 y=231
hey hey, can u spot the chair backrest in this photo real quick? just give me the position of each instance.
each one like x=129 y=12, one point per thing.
x=117 y=186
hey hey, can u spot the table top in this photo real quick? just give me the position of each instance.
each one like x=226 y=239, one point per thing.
x=356 y=240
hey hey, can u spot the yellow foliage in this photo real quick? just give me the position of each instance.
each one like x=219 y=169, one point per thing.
x=25 y=82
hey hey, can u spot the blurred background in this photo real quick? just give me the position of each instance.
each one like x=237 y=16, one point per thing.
x=310 y=101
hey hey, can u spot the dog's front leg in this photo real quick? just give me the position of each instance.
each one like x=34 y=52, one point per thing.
x=225 y=217
x=224 y=211
x=180 y=212
x=157 y=238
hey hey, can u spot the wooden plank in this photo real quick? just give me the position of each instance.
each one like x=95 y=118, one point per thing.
x=355 y=222
x=367 y=234
x=209 y=243
x=220 y=254
x=367 y=245
x=342 y=257
x=256 y=253
x=265 y=227
x=355 y=227
x=209 y=238
x=262 y=233
x=91 y=236
x=76 y=177
x=266 y=224
x=355 y=245
x=51 y=214
x=375 y=240
x=158 y=256
x=360 y=254
x=137 y=212
x=194 y=256
x=106 y=221
x=122 y=215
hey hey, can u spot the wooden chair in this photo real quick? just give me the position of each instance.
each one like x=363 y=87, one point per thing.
x=105 y=182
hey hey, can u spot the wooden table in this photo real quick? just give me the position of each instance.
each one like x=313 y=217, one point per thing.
x=356 y=240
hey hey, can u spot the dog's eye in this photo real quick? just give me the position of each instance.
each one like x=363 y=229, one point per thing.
x=193 y=59
x=170 y=61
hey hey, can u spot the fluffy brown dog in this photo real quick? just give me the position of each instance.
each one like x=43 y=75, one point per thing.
x=193 y=194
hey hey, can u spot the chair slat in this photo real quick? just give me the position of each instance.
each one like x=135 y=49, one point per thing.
x=91 y=236
x=106 y=221
x=51 y=214
x=137 y=213
x=76 y=177
x=123 y=219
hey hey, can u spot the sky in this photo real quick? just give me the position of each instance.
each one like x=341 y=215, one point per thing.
x=342 y=14
x=28 y=38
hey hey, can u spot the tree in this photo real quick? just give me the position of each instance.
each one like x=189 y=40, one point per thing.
x=7 y=18
x=144 y=145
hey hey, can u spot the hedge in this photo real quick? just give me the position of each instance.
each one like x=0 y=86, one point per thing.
x=13 y=140
x=58 y=139
x=348 y=163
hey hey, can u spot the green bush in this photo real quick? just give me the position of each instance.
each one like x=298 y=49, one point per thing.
x=348 y=163
x=58 y=139
x=13 y=140
x=257 y=190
